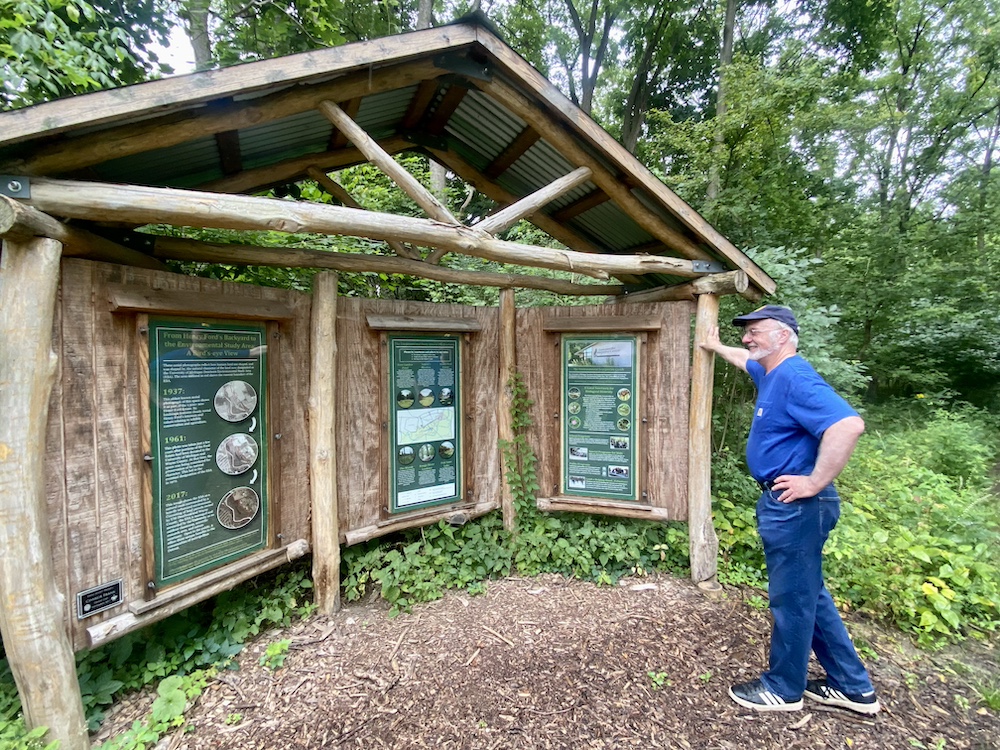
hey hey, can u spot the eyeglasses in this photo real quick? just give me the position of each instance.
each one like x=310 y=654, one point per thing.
x=755 y=332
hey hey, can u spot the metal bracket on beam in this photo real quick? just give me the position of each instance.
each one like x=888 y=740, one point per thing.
x=15 y=186
x=144 y=243
x=418 y=138
x=464 y=66
x=707 y=266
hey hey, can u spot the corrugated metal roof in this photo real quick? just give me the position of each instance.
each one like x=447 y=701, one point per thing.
x=161 y=131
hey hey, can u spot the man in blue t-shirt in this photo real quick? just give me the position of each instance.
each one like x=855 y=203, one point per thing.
x=802 y=436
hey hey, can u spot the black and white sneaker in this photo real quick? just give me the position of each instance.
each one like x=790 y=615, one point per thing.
x=862 y=703
x=755 y=695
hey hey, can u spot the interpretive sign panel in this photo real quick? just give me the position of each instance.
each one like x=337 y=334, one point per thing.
x=598 y=415
x=208 y=425
x=425 y=429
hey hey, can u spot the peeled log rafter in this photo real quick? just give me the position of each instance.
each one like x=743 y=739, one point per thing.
x=19 y=222
x=338 y=191
x=508 y=217
x=183 y=249
x=145 y=205
x=381 y=159
x=731 y=282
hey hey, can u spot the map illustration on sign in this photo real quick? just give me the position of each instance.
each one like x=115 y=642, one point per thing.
x=235 y=401
x=424 y=386
x=238 y=508
x=425 y=426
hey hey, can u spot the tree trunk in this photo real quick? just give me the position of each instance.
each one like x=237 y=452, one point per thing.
x=32 y=609
x=195 y=13
x=725 y=60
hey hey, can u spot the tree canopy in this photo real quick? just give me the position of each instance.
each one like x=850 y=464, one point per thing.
x=849 y=145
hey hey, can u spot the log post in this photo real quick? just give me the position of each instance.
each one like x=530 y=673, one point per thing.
x=322 y=448
x=505 y=427
x=704 y=544
x=31 y=607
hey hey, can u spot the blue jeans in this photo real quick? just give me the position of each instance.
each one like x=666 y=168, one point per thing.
x=805 y=617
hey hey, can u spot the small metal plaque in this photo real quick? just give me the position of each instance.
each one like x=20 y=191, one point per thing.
x=98 y=599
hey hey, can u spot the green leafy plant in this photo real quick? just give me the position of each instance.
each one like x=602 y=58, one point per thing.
x=275 y=654
x=659 y=679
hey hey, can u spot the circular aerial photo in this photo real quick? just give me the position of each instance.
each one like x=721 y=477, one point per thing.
x=426 y=397
x=624 y=409
x=235 y=401
x=624 y=394
x=238 y=507
x=406 y=455
x=573 y=392
x=426 y=452
x=624 y=424
x=236 y=454
x=446 y=449
x=446 y=397
x=404 y=399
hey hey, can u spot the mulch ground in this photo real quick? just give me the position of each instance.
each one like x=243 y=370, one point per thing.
x=554 y=663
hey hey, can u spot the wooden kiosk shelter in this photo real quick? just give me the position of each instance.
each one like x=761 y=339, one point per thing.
x=127 y=390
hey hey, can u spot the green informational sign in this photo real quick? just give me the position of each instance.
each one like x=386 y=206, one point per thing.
x=598 y=416
x=425 y=425
x=208 y=424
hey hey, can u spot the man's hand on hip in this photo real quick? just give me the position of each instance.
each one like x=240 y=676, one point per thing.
x=790 y=487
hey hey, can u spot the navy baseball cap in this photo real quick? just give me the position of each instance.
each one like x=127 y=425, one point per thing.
x=774 y=312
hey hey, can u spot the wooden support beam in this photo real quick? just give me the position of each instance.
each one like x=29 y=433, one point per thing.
x=505 y=426
x=527 y=206
x=568 y=118
x=176 y=248
x=553 y=132
x=338 y=191
x=445 y=109
x=187 y=594
x=71 y=154
x=703 y=542
x=494 y=192
x=421 y=100
x=339 y=138
x=730 y=282
x=32 y=609
x=517 y=148
x=462 y=513
x=581 y=205
x=604 y=507
x=322 y=444
x=254 y=180
x=230 y=156
x=20 y=222
x=380 y=158
x=125 y=298
x=142 y=205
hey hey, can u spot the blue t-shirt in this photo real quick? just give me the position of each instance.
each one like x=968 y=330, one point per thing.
x=794 y=408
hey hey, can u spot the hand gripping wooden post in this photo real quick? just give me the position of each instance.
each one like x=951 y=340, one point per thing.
x=31 y=607
x=704 y=544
